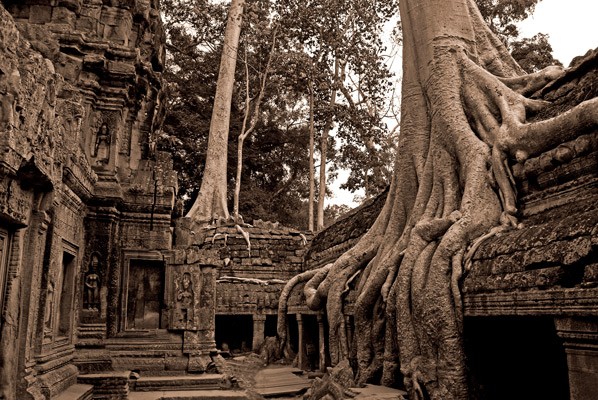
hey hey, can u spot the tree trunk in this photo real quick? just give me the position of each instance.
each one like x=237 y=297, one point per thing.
x=312 y=177
x=324 y=149
x=211 y=201
x=463 y=119
x=255 y=116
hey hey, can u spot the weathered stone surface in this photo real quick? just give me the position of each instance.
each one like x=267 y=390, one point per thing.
x=330 y=243
x=79 y=182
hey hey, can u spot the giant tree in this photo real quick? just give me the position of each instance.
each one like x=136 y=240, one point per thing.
x=463 y=122
x=211 y=202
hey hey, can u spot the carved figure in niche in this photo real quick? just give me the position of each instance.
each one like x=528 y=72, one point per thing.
x=184 y=298
x=49 y=308
x=92 y=284
x=101 y=149
x=9 y=95
x=152 y=146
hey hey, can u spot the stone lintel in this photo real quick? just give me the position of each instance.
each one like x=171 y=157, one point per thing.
x=557 y=302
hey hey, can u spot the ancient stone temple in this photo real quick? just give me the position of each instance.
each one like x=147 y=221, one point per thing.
x=103 y=284
x=530 y=295
x=85 y=198
x=91 y=285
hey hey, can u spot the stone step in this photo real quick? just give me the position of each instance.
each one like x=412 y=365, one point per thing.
x=77 y=391
x=179 y=382
x=106 y=384
x=190 y=395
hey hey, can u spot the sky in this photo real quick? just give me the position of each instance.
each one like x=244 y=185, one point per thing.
x=572 y=27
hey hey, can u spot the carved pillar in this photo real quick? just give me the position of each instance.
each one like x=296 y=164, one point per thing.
x=580 y=339
x=259 y=325
x=301 y=346
x=322 y=353
x=191 y=296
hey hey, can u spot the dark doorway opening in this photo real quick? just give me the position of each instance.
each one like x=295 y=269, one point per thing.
x=236 y=331
x=270 y=327
x=515 y=358
x=293 y=329
x=311 y=335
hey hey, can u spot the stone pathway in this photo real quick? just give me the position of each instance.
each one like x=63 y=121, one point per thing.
x=375 y=392
x=278 y=381
x=189 y=395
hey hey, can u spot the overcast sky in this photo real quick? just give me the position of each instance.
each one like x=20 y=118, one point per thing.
x=572 y=27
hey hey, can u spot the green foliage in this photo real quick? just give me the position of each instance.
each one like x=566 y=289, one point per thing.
x=347 y=35
x=276 y=154
x=310 y=37
x=501 y=16
x=532 y=54
x=195 y=29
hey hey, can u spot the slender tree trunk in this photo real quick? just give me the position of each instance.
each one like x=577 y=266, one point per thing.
x=241 y=141
x=254 y=120
x=211 y=202
x=324 y=149
x=312 y=178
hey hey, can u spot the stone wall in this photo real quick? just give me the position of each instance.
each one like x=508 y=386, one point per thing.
x=254 y=267
x=337 y=238
x=252 y=264
x=83 y=193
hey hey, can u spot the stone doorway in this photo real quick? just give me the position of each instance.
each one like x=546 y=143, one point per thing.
x=234 y=332
x=145 y=295
x=270 y=325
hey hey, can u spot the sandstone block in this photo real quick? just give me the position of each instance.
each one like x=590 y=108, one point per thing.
x=40 y=14
x=62 y=15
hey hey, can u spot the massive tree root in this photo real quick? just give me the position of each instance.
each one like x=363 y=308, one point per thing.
x=464 y=121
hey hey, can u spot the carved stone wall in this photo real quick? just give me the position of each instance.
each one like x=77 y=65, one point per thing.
x=256 y=261
x=80 y=183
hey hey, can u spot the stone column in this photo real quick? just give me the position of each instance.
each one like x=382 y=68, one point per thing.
x=259 y=326
x=301 y=346
x=322 y=340
x=580 y=339
x=199 y=332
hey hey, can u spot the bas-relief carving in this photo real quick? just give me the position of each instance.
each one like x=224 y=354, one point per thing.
x=9 y=96
x=15 y=202
x=101 y=148
x=104 y=134
x=71 y=115
x=49 y=307
x=92 y=285
x=186 y=299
